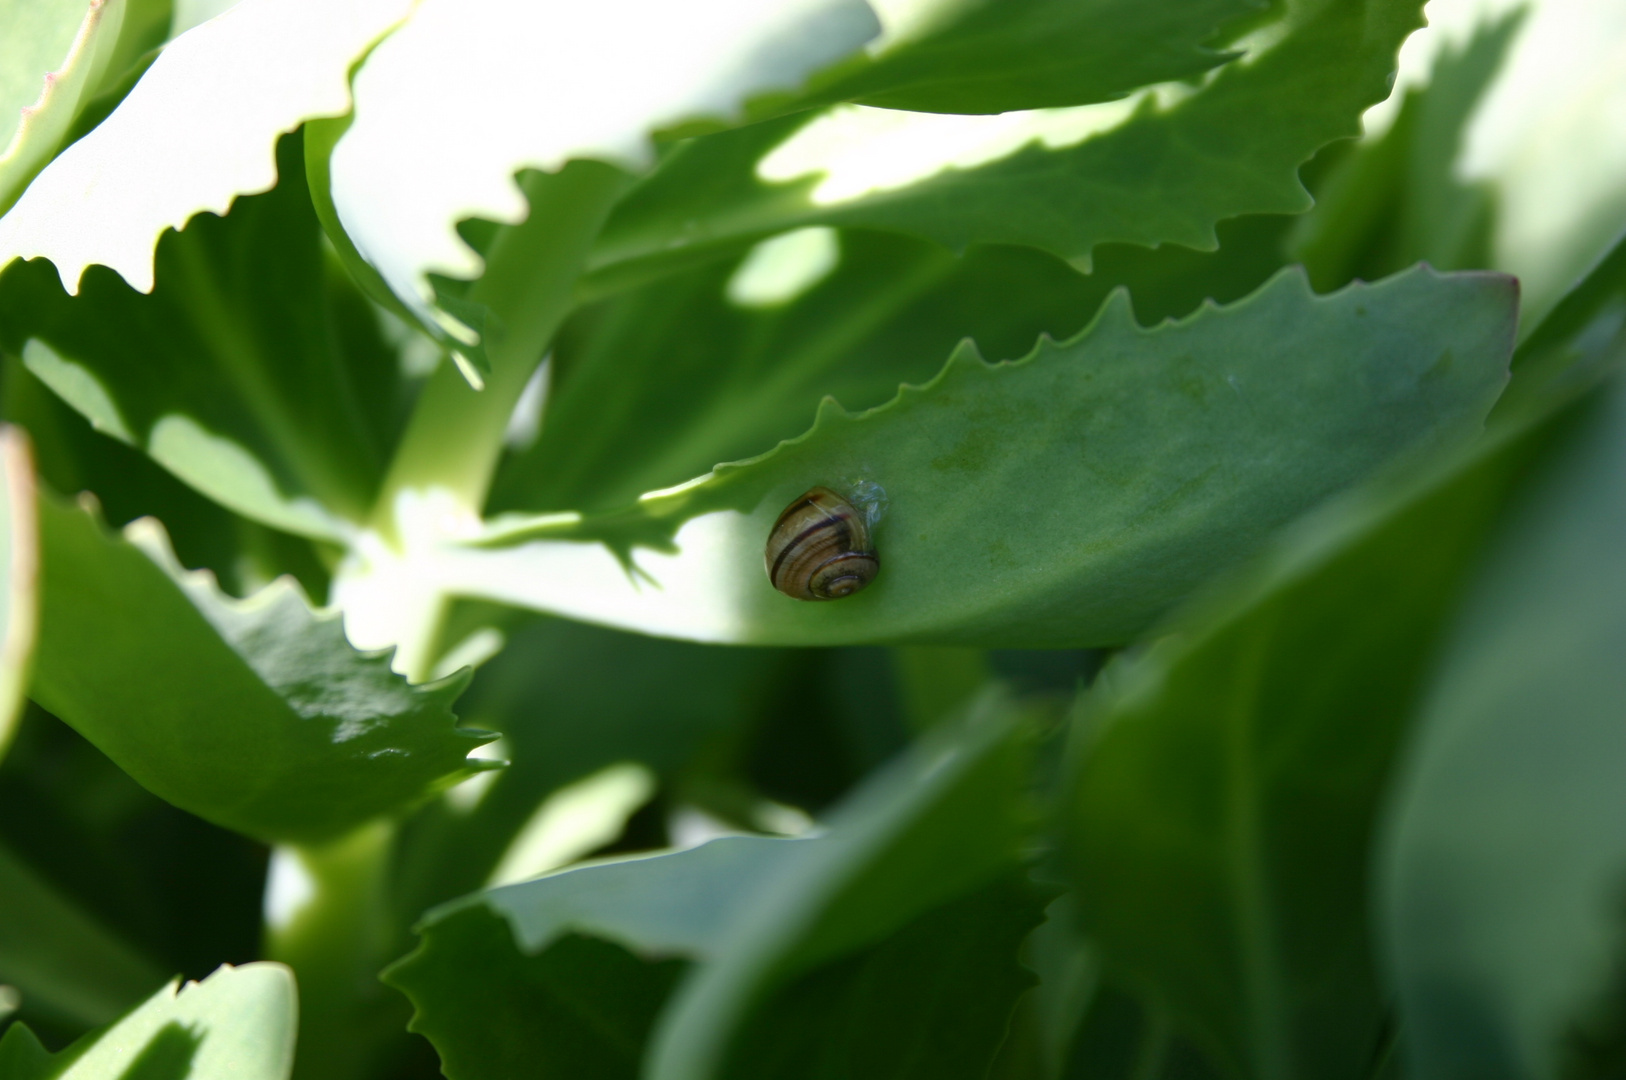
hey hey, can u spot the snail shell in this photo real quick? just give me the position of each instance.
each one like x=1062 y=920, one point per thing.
x=820 y=548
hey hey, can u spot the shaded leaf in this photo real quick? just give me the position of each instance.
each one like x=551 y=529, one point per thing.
x=250 y=372
x=1150 y=459
x=995 y=57
x=67 y=965
x=238 y=1022
x=1503 y=869
x=253 y=714
x=1148 y=174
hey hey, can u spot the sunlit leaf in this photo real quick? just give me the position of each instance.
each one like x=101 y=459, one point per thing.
x=1145 y=173
x=198 y=130
x=52 y=55
x=238 y=1022
x=254 y=714
x=19 y=566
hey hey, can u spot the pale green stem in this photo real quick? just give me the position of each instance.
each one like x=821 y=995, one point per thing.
x=455 y=437
x=336 y=941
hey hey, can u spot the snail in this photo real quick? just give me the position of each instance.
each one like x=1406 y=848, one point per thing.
x=820 y=548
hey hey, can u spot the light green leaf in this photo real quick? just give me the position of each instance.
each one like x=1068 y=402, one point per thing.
x=67 y=965
x=53 y=57
x=19 y=565
x=1149 y=460
x=253 y=714
x=984 y=57
x=399 y=195
x=1064 y=182
x=252 y=372
x=1502 y=871
x=199 y=129
x=239 y=1022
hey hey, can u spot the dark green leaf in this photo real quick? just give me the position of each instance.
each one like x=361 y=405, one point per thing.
x=253 y=714
x=992 y=57
x=68 y=966
x=1504 y=869
x=252 y=371
x=1148 y=460
x=1226 y=782
x=1165 y=174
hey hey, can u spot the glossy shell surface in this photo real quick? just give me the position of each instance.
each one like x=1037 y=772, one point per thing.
x=820 y=548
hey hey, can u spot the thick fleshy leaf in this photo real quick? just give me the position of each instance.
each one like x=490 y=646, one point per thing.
x=52 y=56
x=1225 y=789
x=984 y=57
x=399 y=195
x=19 y=566
x=239 y=1022
x=1064 y=182
x=65 y=963
x=934 y=833
x=711 y=366
x=910 y=892
x=253 y=714
x=1502 y=872
x=198 y=130
x=252 y=371
x=1150 y=460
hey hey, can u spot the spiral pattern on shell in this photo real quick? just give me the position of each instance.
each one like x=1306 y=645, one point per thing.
x=820 y=548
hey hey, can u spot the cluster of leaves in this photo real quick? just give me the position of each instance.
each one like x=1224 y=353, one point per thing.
x=1239 y=697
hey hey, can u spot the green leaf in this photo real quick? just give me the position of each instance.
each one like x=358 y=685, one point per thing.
x=54 y=57
x=941 y=824
x=251 y=372
x=1224 y=791
x=253 y=714
x=911 y=892
x=400 y=196
x=1148 y=174
x=198 y=130
x=657 y=385
x=995 y=57
x=67 y=965
x=19 y=565
x=1148 y=460
x=1502 y=869
x=238 y=1022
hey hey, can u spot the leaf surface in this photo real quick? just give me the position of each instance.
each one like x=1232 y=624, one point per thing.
x=1502 y=871
x=987 y=57
x=239 y=1022
x=400 y=196
x=250 y=372
x=1140 y=173
x=67 y=965
x=198 y=130
x=253 y=714
x=1147 y=461
x=52 y=58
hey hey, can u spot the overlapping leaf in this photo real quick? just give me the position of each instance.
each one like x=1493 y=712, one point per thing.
x=19 y=567
x=1157 y=174
x=250 y=372
x=238 y=1022
x=254 y=714
x=1149 y=460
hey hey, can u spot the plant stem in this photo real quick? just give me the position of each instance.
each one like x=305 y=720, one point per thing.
x=336 y=939
x=455 y=437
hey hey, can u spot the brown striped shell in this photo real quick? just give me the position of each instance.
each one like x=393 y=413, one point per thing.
x=820 y=548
